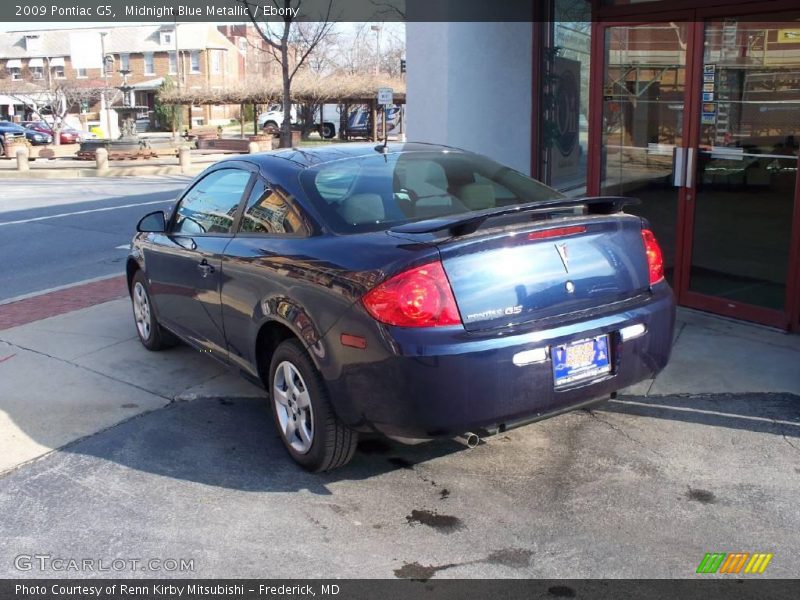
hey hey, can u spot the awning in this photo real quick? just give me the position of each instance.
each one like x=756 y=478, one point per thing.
x=35 y=62
x=58 y=61
x=150 y=84
x=14 y=63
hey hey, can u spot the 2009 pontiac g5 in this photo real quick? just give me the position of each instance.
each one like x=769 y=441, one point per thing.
x=412 y=290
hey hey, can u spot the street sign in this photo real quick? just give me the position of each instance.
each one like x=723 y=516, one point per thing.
x=385 y=96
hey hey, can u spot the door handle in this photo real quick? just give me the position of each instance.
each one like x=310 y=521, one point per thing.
x=689 y=167
x=205 y=268
x=678 y=167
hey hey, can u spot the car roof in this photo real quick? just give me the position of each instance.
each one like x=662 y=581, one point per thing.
x=303 y=158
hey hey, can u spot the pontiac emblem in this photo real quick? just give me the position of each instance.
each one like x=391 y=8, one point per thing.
x=562 y=254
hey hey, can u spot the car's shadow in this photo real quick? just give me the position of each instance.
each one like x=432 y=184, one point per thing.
x=232 y=443
x=773 y=413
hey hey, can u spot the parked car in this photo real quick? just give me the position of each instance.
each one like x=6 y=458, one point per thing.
x=34 y=137
x=413 y=290
x=358 y=121
x=270 y=121
x=326 y=123
x=67 y=135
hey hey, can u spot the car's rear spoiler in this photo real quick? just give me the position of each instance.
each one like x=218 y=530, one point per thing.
x=464 y=224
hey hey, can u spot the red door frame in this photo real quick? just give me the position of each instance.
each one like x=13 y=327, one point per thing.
x=642 y=14
x=596 y=81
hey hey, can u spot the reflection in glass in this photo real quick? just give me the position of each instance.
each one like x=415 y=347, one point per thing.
x=747 y=161
x=565 y=97
x=643 y=108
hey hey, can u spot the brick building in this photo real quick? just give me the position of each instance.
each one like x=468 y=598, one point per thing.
x=195 y=55
x=254 y=54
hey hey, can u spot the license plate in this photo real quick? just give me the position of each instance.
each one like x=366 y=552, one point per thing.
x=576 y=361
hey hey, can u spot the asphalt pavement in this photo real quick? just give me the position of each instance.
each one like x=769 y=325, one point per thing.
x=121 y=453
x=55 y=233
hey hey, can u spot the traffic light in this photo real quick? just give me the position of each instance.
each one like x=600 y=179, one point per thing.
x=402 y=65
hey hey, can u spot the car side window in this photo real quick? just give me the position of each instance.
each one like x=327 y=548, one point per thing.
x=211 y=205
x=269 y=212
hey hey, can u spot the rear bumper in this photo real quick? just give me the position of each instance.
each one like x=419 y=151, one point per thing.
x=445 y=381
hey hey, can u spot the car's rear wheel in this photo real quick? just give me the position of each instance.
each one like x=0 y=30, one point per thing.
x=151 y=334
x=327 y=131
x=309 y=429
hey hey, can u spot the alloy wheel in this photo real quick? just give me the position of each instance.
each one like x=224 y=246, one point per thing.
x=293 y=407
x=141 y=311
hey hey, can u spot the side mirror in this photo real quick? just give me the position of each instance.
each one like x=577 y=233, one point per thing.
x=152 y=223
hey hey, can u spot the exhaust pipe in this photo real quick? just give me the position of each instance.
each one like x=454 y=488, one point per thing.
x=471 y=439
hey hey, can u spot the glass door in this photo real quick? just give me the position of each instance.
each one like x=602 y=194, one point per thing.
x=643 y=128
x=742 y=207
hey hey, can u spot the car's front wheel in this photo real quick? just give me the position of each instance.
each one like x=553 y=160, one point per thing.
x=271 y=128
x=151 y=334
x=309 y=429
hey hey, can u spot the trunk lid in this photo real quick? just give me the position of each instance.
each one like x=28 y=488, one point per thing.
x=552 y=268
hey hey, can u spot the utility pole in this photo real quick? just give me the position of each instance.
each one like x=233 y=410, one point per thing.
x=377 y=30
x=104 y=96
x=179 y=75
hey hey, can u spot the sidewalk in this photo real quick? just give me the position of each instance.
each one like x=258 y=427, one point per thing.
x=66 y=373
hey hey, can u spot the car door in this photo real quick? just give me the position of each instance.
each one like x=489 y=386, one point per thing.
x=261 y=269
x=184 y=264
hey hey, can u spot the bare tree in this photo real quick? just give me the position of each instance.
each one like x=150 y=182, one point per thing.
x=358 y=54
x=54 y=97
x=291 y=43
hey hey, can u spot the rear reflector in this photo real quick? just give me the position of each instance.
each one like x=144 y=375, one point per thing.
x=556 y=232
x=353 y=341
x=527 y=357
x=632 y=331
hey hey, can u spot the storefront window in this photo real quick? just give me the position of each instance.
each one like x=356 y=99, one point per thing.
x=565 y=96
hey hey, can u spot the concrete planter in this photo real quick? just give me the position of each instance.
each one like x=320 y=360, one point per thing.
x=12 y=144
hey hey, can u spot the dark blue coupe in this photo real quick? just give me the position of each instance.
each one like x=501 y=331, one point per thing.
x=412 y=290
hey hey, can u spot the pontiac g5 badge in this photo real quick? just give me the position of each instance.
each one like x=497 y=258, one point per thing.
x=562 y=254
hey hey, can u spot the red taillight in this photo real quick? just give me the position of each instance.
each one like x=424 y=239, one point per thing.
x=556 y=232
x=419 y=297
x=655 y=259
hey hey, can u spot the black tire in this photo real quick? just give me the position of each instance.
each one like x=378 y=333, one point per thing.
x=332 y=444
x=327 y=131
x=271 y=128
x=154 y=337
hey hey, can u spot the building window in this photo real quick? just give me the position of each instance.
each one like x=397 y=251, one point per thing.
x=149 y=68
x=166 y=38
x=173 y=63
x=216 y=62
x=16 y=75
x=125 y=62
x=58 y=73
x=195 y=55
x=81 y=73
x=565 y=97
x=37 y=73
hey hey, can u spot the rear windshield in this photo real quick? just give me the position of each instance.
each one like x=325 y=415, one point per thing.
x=374 y=193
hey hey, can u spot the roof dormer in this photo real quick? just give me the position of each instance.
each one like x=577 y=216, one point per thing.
x=167 y=36
x=33 y=42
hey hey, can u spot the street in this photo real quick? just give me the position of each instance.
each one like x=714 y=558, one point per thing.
x=55 y=233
